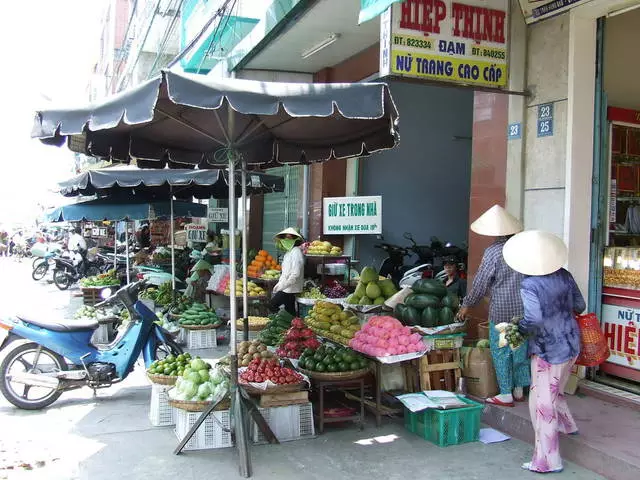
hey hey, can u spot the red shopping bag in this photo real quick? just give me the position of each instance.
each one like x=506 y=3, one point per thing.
x=593 y=344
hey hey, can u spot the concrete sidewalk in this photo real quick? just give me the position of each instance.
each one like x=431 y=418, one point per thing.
x=111 y=437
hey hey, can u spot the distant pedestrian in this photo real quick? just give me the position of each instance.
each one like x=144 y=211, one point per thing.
x=551 y=301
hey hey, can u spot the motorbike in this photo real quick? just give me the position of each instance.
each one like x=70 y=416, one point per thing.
x=41 y=267
x=66 y=272
x=435 y=267
x=49 y=357
x=393 y=266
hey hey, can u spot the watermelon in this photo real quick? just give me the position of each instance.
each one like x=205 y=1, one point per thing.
x=430 y=317
x=421 y=301
x=447 y=317
x=411 y=316
x=399 y=311
x=452 y=301
x=430 y=287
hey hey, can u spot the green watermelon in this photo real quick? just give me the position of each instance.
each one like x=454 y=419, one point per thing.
x=421 y=301
x=452 y=301
x=398 y=312
x=411 y=316
x=447 y=317
x=430 y=317
x=430 y=287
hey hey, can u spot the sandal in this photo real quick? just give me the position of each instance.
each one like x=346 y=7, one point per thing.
x=496 y=401
x=527 y=466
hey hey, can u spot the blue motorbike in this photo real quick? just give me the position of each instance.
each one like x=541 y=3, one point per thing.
x=50 y=357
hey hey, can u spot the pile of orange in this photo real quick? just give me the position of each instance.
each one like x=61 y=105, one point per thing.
x=261 y=263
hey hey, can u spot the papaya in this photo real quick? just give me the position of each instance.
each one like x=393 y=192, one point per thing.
x=411 y=316
x=430 y=317
x=430 y=287
x=452 y=301
x=447 y=317
x=421 y=301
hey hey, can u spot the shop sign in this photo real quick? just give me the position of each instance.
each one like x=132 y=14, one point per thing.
x=454 y=42
x=196 y=233
x=535 y=10
x=352 y=215
x=613 y=200
x=218 y=215
x=621 y=326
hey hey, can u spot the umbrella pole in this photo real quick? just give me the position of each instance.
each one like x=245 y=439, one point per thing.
x=126 y=239
x=245 y=293
x=173 y=250
x=115 y=246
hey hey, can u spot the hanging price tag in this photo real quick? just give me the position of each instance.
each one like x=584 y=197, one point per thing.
x=255 y=181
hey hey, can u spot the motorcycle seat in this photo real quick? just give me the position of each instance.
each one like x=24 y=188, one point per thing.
x=61 y=325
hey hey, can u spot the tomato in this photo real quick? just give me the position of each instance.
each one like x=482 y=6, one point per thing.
x=269 y=372
x=259 y=378
x=250 y=377
x=281 y=380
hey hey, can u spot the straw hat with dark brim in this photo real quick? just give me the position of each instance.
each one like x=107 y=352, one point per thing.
x=496 y=222
x=201 y=265
x=535 y=252
x=288 y=231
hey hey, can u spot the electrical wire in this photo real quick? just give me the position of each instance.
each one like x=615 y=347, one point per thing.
x=202 y=32
x=165 y=39
x=227 y=17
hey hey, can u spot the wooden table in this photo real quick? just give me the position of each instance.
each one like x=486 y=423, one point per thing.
x=324 y=385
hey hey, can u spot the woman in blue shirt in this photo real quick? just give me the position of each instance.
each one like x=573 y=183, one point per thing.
x=551 y=300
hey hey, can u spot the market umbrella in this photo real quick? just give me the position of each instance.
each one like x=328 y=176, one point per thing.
x=124 y=209
x=184 y=120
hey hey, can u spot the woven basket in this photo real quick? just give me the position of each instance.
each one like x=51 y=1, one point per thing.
x=174 y=316
x=288 y=388
x=212 y=326
x=162 y=379
x=252 y=328
x=199 y=406
x=337 y=376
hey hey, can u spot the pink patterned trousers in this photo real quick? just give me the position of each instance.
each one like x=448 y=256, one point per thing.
x=549 y=412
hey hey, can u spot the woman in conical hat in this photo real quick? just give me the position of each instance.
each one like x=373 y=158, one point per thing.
x=201 y=273
x=551 y=299
x=497 y=280
x=292 y=274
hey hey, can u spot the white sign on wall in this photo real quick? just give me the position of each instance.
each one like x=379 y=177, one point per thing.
x=196 y=233
x=535 y=10
x=352 y=215
x=218 y=215
x=621 y=327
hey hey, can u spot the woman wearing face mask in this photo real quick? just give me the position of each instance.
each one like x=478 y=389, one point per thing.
x=292 y=275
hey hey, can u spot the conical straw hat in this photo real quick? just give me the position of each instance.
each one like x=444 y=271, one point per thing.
x=288 y=231
x=496 y=222
x=535 y=252
x=201 y=265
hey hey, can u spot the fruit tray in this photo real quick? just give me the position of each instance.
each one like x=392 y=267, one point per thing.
x=198 y=406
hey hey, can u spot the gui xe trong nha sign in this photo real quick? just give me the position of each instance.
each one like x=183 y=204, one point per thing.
x=455 y=42
x=352 y=215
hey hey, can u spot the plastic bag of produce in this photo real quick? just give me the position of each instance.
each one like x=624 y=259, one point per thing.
x=398 y=297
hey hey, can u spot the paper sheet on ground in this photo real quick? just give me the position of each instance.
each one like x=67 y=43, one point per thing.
x=489 y=435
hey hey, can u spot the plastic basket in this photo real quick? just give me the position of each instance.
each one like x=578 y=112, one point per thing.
x=446 y=427
x=252 y=335
x=161 y=414
x=213 y=433
x=293 y=422
x=304 y=310
x=196 y=339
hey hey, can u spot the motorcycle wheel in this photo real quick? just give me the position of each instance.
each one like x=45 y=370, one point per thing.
x=20 y=360
x=163 y=350
x=36 y=261
x=39 y=272
x=62 y=279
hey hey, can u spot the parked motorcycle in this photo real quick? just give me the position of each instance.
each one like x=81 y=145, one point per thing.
x=41 y=267
x=393 y=266
x=66 y=272
x=50 y=357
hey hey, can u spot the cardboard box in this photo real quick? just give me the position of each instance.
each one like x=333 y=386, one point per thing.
x=479 y=372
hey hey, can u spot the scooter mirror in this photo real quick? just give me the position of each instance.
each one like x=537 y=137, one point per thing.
x=106 y=293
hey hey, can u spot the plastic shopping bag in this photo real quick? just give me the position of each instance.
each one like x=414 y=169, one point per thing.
x=593 y=344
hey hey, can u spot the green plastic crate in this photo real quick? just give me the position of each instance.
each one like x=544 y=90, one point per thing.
x=446 y=427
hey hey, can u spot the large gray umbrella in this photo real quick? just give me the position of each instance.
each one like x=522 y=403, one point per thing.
x=183 y=120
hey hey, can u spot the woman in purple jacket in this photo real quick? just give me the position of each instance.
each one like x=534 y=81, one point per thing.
x=551 y=300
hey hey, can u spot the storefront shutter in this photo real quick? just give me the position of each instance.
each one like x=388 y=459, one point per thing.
x=281 y=209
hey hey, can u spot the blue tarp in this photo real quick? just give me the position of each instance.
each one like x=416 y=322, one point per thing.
x=114 y=210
